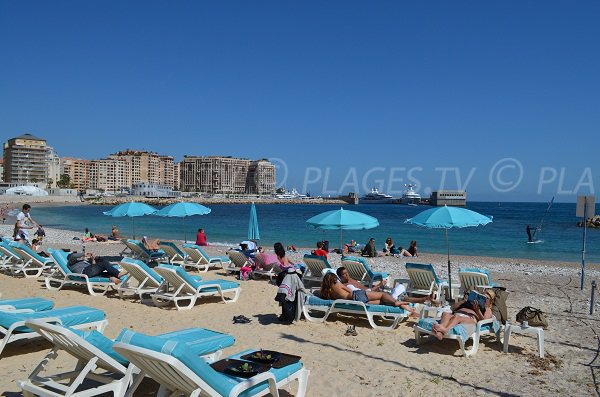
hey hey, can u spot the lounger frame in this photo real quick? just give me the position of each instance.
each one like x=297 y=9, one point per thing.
x=146 y=284
x=358 y=308
x=175 y=289
x=116 y=378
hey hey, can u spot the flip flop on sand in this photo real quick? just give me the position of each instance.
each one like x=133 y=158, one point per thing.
x=241 y=320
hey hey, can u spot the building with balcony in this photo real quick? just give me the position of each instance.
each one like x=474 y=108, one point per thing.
x=226 y=175
x=26 y=160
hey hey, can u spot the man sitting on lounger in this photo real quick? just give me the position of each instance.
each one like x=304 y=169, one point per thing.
x=332 y=288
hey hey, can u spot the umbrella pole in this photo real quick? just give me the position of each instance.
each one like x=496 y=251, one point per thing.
x=183 y=225
x=341 y=241
x=133 y=225
x=449 y=271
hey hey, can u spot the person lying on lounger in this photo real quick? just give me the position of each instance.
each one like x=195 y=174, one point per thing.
x=464 y=312
x=332 y=288
x=151 y=245
x=349 y=282
x=93 y=266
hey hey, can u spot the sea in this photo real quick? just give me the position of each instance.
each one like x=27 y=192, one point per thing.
x=227 y=225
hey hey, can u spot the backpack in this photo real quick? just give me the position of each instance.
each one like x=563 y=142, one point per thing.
x=534 y=317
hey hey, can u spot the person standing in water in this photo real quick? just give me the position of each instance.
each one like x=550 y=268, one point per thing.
x=530 y=238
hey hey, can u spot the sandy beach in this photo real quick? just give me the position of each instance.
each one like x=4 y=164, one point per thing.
x=375 y=362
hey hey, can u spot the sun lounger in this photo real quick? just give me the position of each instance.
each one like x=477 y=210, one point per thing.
x=94 y=352
x=174 y=254
x=26 y=304
x=62 y=276
x=238 y=260
x=461 y=333
x=181 y=373
x=178 y=286
x=199 y=260
x=12 y=323
x=359 y=269
x=391 y=314
x=314 y=268
x=474 y=278
x=138 y=251
x=9 y=257
x=424 y=280
x=32 y=264
x=140 y=279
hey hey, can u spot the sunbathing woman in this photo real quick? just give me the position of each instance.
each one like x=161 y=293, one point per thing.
x=332 y=288
x=464 y=312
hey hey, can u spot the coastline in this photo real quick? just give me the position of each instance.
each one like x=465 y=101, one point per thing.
x=388 y=363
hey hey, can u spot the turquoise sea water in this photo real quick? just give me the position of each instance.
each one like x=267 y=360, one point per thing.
x=228 y=224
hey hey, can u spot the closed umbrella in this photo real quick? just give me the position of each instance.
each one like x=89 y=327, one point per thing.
x=253 y=232
x=343 y=220
x=132 y=210
x=447 y=218
x=183 y=210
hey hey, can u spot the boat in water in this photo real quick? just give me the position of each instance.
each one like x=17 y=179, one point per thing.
x=410 y=197
x=376 y=198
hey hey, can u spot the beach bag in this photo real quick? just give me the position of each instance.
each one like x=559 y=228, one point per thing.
x=534 y=317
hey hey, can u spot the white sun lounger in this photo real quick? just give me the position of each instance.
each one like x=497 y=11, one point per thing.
x=94 y=353
x=359 y=269
x=198 y=259
x=181 y=373
x=393 y=315
x=12 y=323
x=461 y=333
x=141 y=279
x=178 y=286
x=33 y=304
x=32 y=264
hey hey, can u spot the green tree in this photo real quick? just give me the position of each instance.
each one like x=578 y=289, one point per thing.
x=64 y=181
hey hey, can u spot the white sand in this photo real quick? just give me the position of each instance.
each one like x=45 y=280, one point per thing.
x=374 y=363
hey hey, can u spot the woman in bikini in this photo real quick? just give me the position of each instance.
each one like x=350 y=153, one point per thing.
x=464 y=312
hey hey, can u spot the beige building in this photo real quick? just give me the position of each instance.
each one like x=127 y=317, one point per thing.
x=26 y=160
x=226 y=175
x=147 y=167
x=78 y=171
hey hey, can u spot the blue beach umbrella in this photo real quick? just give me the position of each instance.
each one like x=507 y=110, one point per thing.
x=131 y=209
x=253 y=233
x=343 y=220
x=447 y=218
x=182 y=210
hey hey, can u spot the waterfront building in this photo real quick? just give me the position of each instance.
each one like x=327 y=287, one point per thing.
x=26 y=160
x=226 y=175
x=1 y=170
x=146 y=167
x=153 y=190
x=53 y=168
x=456 y=198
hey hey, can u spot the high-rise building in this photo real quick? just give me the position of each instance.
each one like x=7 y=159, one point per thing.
x=78 y=171
x=26 y=160
x=146 y=167
x=226 y=175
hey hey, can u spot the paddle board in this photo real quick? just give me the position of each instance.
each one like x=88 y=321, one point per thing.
x=535 y=242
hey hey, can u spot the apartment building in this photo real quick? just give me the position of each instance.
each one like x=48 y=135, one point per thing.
x=226 y=175
x=146 y=167
x=78 y=171
x=26 y=160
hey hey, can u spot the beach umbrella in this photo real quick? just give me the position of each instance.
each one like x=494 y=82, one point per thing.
x=183 y=210
x=132 y=210
x=448 y=218
x=343 y=220
x=253 y=233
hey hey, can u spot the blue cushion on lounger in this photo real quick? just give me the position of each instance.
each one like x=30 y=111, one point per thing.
x=223 y=383
x=225 y=285
x=207 y=257
x=69 y=316
x=35 y=304
x=145 y=267
x=460 y=330
x=31 y=252
x=315 y=301
x=198 y=341
x=423 y=266
x=100 y=341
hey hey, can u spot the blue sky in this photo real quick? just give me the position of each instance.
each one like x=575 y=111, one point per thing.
x=342 y=95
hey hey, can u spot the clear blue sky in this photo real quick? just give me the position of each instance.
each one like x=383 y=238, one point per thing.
x=350 y=94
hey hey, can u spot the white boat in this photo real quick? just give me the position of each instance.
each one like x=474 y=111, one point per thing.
x=376 y=198
x=410 y=197
x=293 y=195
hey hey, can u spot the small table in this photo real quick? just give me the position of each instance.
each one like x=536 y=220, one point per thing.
x=524 y=329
